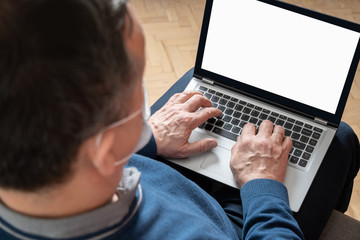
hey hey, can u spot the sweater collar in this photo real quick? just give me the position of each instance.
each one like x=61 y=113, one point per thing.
x=115 y=214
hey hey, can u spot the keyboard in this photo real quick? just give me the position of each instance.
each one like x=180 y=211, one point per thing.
x=237 y=113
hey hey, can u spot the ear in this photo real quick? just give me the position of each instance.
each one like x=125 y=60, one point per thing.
x=103 y=157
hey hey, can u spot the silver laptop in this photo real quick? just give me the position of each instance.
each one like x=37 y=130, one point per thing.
x=265 y=59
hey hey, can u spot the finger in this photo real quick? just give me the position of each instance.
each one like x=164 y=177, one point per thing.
x=287 y=143
x=184 y=96
x=200 y=146
x=266 y=128
x=174 y=97
x=195 y=102
x=249 y=129
x=203 y=115
x=278 y=134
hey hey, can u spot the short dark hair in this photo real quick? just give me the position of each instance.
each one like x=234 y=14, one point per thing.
x=64 y=74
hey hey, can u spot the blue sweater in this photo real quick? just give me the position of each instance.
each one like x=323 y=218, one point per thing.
x=176 y=208
x=172 y=207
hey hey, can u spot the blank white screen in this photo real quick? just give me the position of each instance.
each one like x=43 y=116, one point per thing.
x=279 y=51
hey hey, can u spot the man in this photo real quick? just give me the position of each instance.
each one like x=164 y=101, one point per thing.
x=73 y=113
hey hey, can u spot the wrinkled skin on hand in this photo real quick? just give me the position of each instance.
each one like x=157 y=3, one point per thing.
x=174 y=122
x=261 y=155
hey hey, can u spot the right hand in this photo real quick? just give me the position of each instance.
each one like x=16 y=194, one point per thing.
x=262 y=155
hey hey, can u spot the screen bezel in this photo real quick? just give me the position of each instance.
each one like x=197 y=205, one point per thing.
x=309 y=111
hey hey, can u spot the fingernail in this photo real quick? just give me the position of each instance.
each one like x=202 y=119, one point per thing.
x=212 y=145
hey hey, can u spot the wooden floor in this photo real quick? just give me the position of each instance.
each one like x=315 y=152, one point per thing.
x=172 y=29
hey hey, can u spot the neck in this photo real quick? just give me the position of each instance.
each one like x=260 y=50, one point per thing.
x=80 y=194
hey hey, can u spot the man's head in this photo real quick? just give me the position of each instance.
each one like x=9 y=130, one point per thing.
x=67 y=69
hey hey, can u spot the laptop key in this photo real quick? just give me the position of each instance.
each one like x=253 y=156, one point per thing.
x=313 y=142
x=306 y=132
x=263 y=116
x=208 y=95
x=250 y=105
x=236 y=130
x=295 y=136
x=227 y=118
x=220 y=123
x=303 y=163
x=225 y=133
x=294 y=160
x=308 y=126
x=214 y=99
x=299 y=123
x=211 y=120
x=309 y=149
x=287 y=133
x=306 y=156
x=221 y=108
x=298 y=145
x=316 y=135
x=275 y=114
x=203 y=88
x=208 y=127
x=253 y=120
x=297 y=152
x=238 y=107
x=288 y=125
x=227 y=126
x=229 y=111
x=255 y=113
x=226 y=96
x=242 y=102
x=280 y=122
x=223 y=101
x=237 y=114
x=219 y=94
x=234 y=99
x=296 y=128
x=304 y=139
x=235 y=121
x=318 y=130
x=245 y=117
x=271 y=119
x=230 y=104
x=291 y=120
x=247 y=110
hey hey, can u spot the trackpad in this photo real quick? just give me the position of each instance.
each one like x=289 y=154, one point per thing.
x=218 y=162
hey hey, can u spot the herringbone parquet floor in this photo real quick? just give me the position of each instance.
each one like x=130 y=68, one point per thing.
x=172 y=29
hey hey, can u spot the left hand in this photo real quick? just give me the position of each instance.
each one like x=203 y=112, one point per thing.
x=174 y=122
x=261 y=155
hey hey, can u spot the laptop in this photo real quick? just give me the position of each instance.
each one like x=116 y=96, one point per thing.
x=266 y=59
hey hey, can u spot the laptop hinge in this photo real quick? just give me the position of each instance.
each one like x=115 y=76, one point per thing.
x=321 y=121
x=208 y=81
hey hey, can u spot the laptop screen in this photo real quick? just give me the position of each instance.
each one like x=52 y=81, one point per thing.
x=279 y=51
